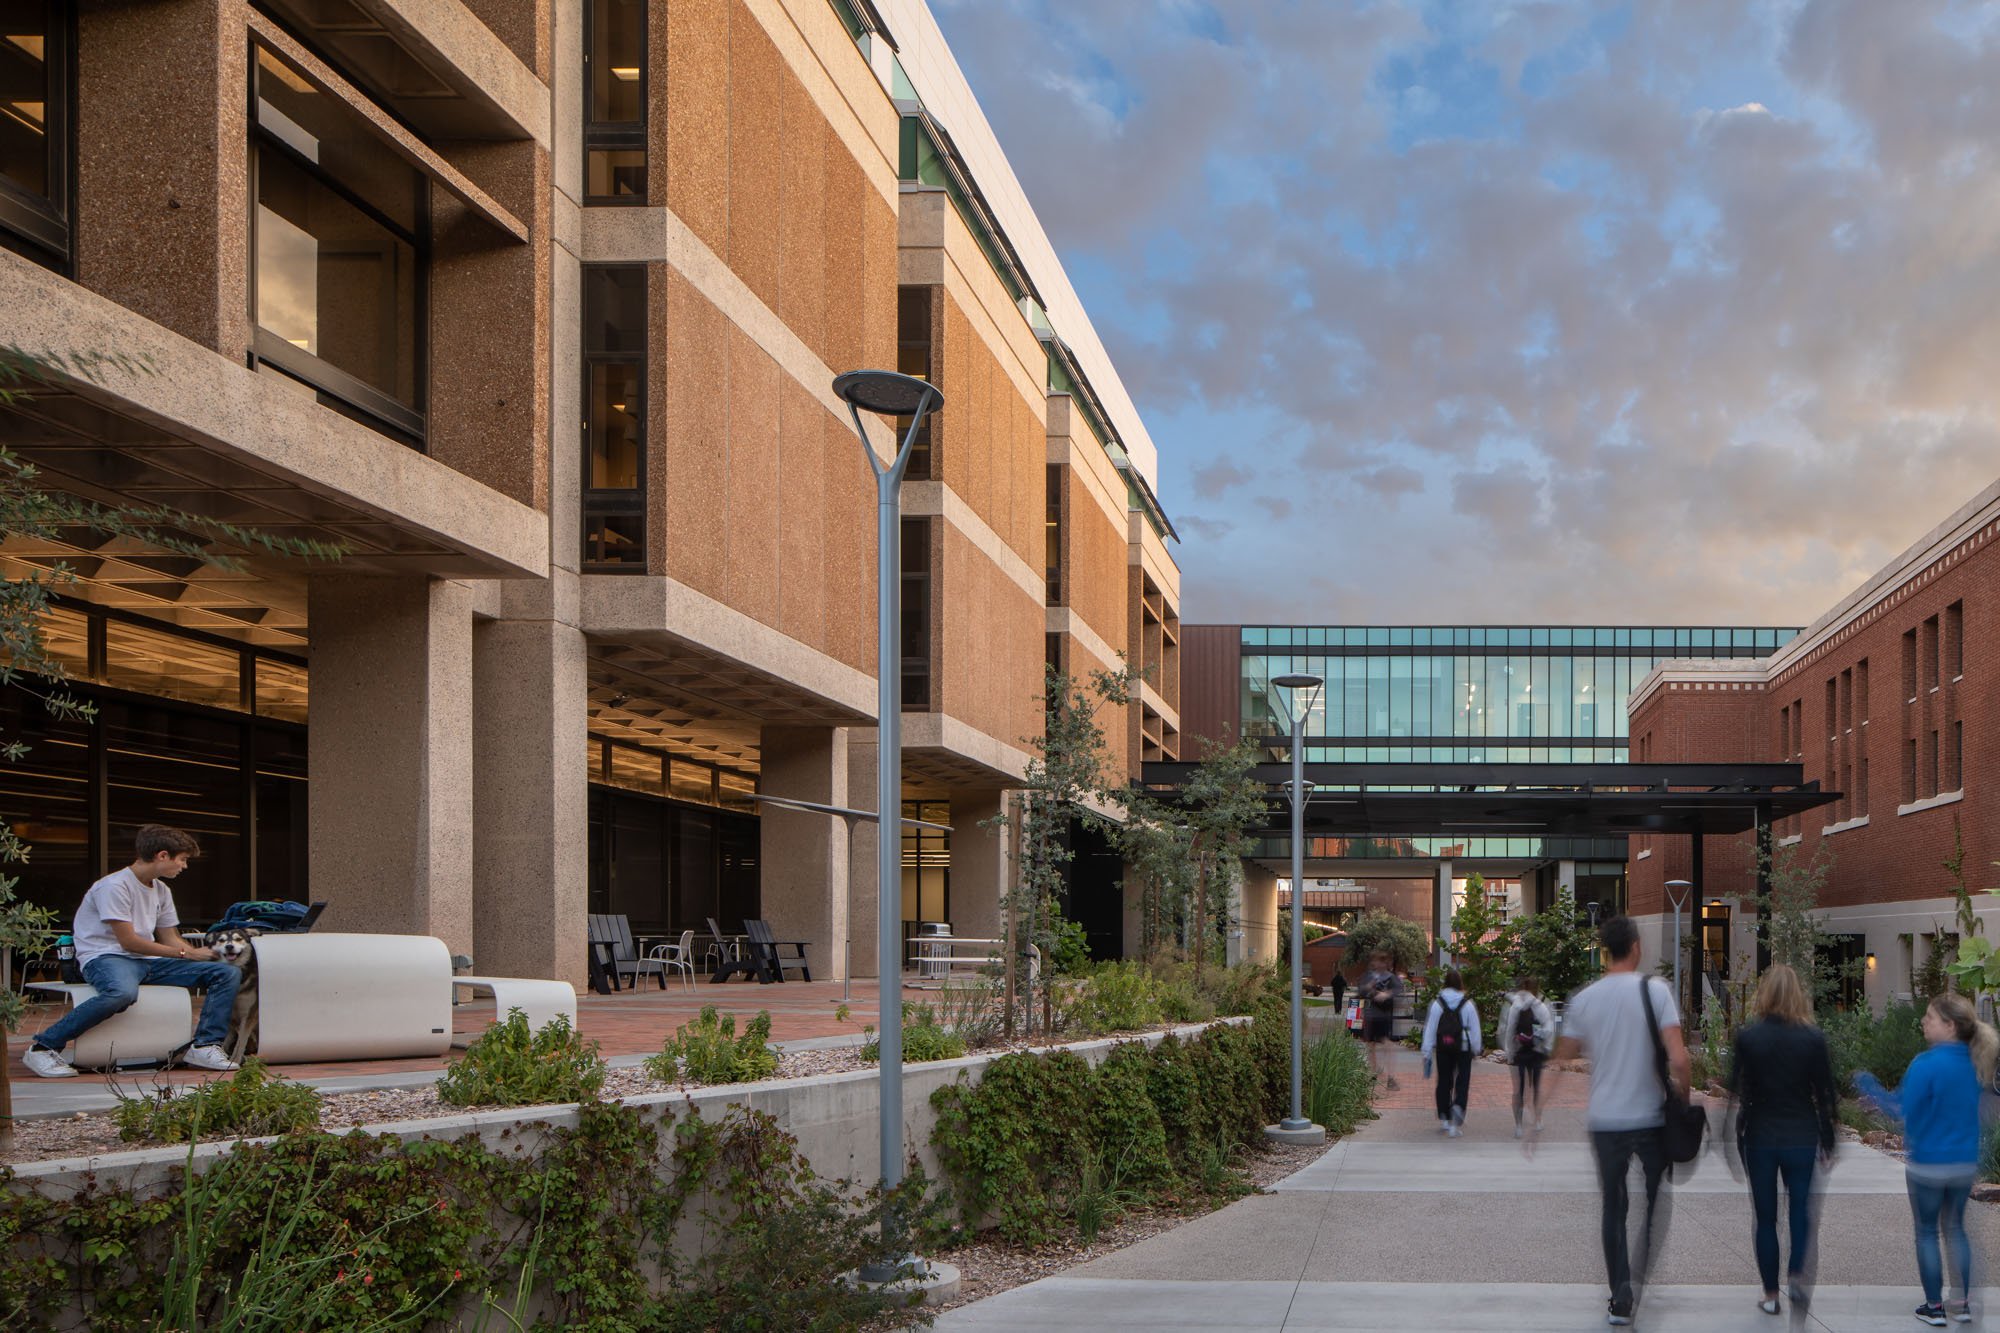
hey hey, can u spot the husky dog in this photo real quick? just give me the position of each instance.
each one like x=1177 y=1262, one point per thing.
x=233 y=946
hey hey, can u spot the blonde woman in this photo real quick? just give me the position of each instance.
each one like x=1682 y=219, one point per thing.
x=1782 y=1076
x=1938 y=1104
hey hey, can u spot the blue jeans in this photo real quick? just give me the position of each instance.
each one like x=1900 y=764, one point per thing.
x=118 y=977
x=1940 y=1202
x=1764 y=1165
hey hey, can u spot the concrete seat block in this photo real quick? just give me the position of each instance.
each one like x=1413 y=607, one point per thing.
x=160 y=1022
x=541 y=1000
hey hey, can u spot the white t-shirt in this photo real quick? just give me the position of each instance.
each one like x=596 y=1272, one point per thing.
x=1609 y=1018
x=121 y=897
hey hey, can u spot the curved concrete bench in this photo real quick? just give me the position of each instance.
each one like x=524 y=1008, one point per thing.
x=352 y=997
x=541 y=1001
x=159 y=1022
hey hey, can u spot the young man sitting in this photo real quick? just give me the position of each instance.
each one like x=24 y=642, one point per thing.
x=127 y=934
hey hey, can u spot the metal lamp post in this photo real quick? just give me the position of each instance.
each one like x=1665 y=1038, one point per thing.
x=1679 y=900
x=1304 y=690
x=889 y=394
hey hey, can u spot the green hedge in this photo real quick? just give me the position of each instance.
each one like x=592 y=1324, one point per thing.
x=1017 y=1143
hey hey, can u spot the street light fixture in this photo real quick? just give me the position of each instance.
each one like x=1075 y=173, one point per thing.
x=1304 y=692
x=889 y=394
x=1679 y=900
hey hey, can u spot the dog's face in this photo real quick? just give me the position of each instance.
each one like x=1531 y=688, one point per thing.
x=232 y=946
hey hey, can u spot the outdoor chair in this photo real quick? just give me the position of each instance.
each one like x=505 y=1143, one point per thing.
x=677 y=957
x=721 y=948
x=613 y=932
x=764 y=947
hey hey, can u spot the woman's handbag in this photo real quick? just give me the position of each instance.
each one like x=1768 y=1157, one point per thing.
x=1686 y=1123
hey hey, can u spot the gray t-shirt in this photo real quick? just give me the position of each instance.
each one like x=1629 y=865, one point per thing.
x=121 y=897
x=1609 y=1018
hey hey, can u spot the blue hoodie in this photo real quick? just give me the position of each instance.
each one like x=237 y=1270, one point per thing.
x=1938 y=1104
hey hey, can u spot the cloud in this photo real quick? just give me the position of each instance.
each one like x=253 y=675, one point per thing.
x=1681 y=309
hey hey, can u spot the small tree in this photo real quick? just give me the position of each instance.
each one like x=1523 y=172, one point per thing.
x=1406 y=942
x=1157 y=843
x=1976 y=968
x=1224 y=802
x=1555 y=945
x=1483 y=949
x=1790 y=924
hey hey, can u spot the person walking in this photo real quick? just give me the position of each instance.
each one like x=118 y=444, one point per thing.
x=1781 y=1074
x=1608 y=1020
x=1378 y=989
x=1527 y=1030
x=128 y=934
x=1938 y=1105
x=1451 y=1033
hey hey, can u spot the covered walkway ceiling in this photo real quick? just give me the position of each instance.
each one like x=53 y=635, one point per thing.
x=1527 y=800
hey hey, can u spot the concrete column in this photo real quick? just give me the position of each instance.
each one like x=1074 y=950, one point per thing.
x=861 y=921
x=390 y=755
x=1441 y=914
x=978 y=865
x=1566 y=879
x=1260 y=912
x=803 y=857
x=529 y=798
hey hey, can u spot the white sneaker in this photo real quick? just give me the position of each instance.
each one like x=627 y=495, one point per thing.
x=208 y=1057
x=1454 y=1131
x=48 y=1063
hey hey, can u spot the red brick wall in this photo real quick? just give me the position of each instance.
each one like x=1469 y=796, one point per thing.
x=1892 y=857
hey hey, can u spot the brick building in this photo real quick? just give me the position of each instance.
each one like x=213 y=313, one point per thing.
x=535 y=310
x=1892 y=699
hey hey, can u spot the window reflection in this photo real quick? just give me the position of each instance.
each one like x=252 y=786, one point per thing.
x=171 y=767
x=614 y=464
x=281 y=690
x=148 y=661
x=614 y=127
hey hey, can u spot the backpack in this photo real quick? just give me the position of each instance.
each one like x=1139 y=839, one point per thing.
x=1451 y=1027
x=270 y=916
x=1524 y=1029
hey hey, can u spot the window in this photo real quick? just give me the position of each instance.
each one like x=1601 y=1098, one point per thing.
x=1909 y=770
x=614 y=430
x=1954 y=641
x=1955 y=759
x=913 y=357
x=339 y=250
x=1910 y=665
x=1928 y=657
x=614 y=106
x=1054 y=540
x=916 y=613
x=35 y=146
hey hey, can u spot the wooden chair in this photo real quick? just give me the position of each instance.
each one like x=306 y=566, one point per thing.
x=614 y=930
x=764 y=947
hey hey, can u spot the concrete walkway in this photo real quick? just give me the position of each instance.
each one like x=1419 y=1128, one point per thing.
x=1398 y=1227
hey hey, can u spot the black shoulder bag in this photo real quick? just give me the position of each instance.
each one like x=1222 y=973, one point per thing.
x=1686 y=1123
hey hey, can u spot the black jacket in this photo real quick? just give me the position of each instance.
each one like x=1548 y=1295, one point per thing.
x=1782 y=1076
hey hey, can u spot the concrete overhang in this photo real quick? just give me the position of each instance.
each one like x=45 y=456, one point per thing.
x=158 y=420
x=939 y=748
x=432 y=62
x=716 y=661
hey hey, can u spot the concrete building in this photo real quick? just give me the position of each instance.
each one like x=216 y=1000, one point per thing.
x=534 y=310
x=1891 y=699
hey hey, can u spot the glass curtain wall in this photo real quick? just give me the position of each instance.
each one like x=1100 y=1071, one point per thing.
x=35 y=140
x=614 y=396
x=1464 y=694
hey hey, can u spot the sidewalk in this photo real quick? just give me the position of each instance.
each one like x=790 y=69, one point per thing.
x=627 y=1026
x=1399 y=1227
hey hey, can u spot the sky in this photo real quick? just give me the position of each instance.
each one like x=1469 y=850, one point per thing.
x=1683 y=311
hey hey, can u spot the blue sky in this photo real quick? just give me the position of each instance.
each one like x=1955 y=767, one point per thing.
x=1526 y=311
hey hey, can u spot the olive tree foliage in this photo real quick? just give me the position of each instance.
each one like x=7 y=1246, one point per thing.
x=1186 y=849
x=1975 y=967
x=1407 y=943
x=1792 y=929
x=1066 y=783
x=29 y=510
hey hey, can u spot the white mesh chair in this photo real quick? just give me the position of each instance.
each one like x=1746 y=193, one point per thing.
x=677 y=957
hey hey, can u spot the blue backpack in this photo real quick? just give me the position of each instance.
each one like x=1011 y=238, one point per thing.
x=284 y=915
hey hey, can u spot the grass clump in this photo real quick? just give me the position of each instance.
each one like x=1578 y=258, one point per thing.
x=708 y=1051
x=250 y=1103
x=511 y=1065
x=1338 y=1091
x=1116 y=997
x=924 y=1037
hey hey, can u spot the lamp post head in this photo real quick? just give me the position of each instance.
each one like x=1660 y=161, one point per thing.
x=1298 y=684
x=887 y=393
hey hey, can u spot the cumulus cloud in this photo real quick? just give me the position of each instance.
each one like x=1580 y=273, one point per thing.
x=1686 y=315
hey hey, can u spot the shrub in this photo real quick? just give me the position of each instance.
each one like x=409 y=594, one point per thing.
x=1897 y=1039
x=1989 y=1153
x=924 y=1038
x=1115 y=997
x=708 y=1050
x=250 y=1103
x=1338 y=1090
x=1181 y=999
x=510 y=1065
x=1240 y=989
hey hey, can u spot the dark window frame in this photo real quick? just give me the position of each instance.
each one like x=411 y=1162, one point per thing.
x=338 y=389
x=610 y=502
x=42 y=227
x=617 y=135
x=916 y=586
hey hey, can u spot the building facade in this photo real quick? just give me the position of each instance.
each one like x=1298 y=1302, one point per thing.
x=1890 y=699
x=534 y=311
x=1454 y=699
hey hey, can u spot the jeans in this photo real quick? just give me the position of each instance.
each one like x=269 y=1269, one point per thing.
x=1615 y=1150
x=1932 y=1203
x=1527 y=1080
x=1764 y=1166
x=1454 y=1081
x=117 y=978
